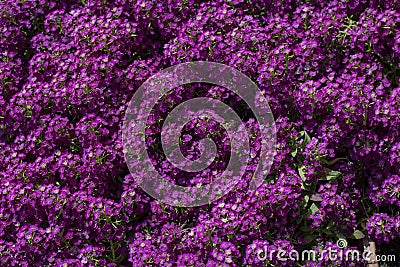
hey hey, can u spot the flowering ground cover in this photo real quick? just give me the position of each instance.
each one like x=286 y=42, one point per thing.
x=330 y=71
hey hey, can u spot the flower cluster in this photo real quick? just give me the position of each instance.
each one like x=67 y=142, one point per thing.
x=330 y=71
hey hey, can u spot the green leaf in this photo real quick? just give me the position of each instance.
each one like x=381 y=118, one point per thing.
x=314 y=208
x=306 y=138
x=331 y=175
x=306 y=199
x=358 y=234
x=301 y=172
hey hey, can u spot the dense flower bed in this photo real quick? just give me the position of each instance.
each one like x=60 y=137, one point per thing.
x=329 y=69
